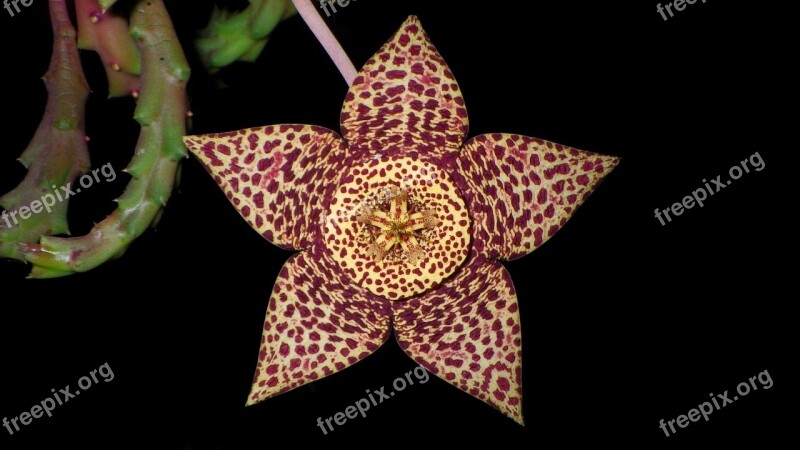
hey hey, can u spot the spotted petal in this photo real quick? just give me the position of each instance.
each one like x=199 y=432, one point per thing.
x=317 y=324
x=275 y=176
x=405 y=99
x=467 y=332
x=522 y=190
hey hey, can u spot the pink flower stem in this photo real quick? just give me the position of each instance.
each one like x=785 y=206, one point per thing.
x=313 y=19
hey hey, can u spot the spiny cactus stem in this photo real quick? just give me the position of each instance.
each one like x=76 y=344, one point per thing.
x=57 y=153
x=109 y=36
x=161 y=111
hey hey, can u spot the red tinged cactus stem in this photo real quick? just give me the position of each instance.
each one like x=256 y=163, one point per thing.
x=57 y=154
x=109 y=36
x=161 y=112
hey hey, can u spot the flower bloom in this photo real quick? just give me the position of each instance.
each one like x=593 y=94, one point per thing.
x=400 y=226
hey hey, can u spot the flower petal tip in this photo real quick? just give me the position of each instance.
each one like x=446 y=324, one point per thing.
x=468 y=334
x=314 y=327
x=611 y=161
x=406 y=100
x=251 y=400
x=412 y=19
x=274 y=176
x=533 y=186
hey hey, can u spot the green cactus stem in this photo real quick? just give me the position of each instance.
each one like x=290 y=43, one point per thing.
x=161 y=111
x=108 y=34
x=105 y=4
x=240 y=36
x=57 y=154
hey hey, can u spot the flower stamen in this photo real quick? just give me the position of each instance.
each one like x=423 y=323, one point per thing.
x=397 y=226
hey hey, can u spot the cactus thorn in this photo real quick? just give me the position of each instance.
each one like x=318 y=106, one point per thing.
x=161 y=112
x=57 y=153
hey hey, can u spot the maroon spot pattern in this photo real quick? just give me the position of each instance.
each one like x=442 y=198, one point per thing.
x=445 y=248
x=406 y=100
x=317 y=324
x=468 y=333
x=521 y=190
x=276 y=176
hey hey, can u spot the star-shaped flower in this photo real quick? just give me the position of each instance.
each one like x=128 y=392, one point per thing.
x=399 y=226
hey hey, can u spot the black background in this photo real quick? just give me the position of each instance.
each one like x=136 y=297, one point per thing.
x=625 y=321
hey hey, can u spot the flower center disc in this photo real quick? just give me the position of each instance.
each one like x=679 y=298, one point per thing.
x=397 y=226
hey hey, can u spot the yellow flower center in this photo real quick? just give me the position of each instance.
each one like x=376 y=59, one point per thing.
x=397 y=227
